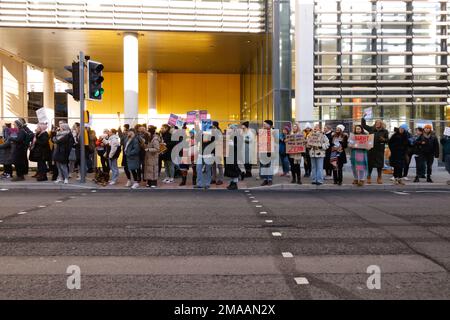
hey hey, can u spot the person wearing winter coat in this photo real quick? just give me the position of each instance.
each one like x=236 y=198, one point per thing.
x=40 y=151
x=306 y=156
x=339 y=142
x=6 y=153
x=376 y=154
x=445 y=141
x=166 y=157
x=113 y=149
x=151 y=158
x=359 y=160
x=19 y=156
x=249 y=148
x=188 y=156
x=233 y=159
x=284 y=158
x=429 y=149
x=63 y=142
x=398 y=145
x=295 y=160
x=317 y=152
x=132 y=151
x=327 y=166
x=266 y=169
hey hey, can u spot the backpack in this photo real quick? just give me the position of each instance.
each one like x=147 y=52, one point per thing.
x=29 y=136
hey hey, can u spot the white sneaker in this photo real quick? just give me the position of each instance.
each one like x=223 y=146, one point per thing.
x=112 y=183
x=66 y=181
x=171 y=180
x=392 y=179
x=165 y=180
x=405 y=178
x=128 y=183
x=135 y=185
x=58 y=180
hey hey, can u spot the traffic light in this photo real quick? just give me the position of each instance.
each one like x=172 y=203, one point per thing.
x=94 y=80
x=74 y=80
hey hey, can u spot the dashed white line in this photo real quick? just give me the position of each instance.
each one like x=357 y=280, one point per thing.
x=93 y=191
x=401 y=193
x=258 y=206
x=22 y=212
x=301 y=280
x=246 y=191
x=4 y=189
x=269 y=221
x=42 y=206
x=263 y=212
x=255 y=201
x=287 y=255
x=276 y=234
x=58 y=201
x=1 y=221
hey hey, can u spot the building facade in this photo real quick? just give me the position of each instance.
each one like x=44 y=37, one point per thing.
x=239 y=59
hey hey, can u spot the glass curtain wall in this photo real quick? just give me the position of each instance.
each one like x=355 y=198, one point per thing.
x=387 y=55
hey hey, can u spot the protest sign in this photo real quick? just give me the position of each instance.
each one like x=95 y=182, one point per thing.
x=361 y=141
x=180 y=122
x=42 y=115
x=315 y=139
x=296 y=143
x=422 y=123
x=203 y=114
x=447 y=131
x=369 y=113
x=265 y=143
x=206 y=125
x=191 y=116
x=172 y=119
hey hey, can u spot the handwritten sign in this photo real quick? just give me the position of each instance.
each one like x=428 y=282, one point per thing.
x=361 y=141
x=296 y=143
x=172 y=119
x=203 y=114
x=369 y=113
x=180 y=122
x=315 y=139
x=265 y=144
x=206 y=125
x=42 y=115
x=447 y=131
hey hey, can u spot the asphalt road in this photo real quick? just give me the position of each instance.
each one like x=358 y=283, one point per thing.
x=157 y=244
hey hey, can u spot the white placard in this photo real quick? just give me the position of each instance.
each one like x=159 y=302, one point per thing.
x=447 y=131
x=42 y=115
x=369 y=113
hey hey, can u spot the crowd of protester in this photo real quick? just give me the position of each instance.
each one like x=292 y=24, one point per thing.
x=145 y=150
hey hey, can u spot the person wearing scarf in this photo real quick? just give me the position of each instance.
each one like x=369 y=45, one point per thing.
x=40 y=151
x=63 y=145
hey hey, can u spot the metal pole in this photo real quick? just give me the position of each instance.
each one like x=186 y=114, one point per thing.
x=82 y=142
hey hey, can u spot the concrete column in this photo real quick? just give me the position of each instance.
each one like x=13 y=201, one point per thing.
x=131 y=77
x=49 y=93
x=304 y=60
x=152 y=77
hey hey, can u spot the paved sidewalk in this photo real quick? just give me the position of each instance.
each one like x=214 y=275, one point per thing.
x=440 y=178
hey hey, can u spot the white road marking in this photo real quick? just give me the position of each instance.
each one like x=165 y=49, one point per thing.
x=42 y=206
x=93 y=191
x=301 y=280
x=1 y=221
x=269 y=221
x=276 y=234
x=433 y=191
x=287 y=255
x=263 y=212
x=22 y=212
x=58 y=201
x=401 y=193
x=255 y=201
x=247 y=191
x=4 y=189
x=258 y=206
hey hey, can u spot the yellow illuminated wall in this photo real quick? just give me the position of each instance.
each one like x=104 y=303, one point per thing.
x=177 y=93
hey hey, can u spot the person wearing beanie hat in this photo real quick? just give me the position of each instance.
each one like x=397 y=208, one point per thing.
x=269 y=123
x=428 y=150
x=338 y=142
x=295 y=159
x=282 y=151
x=248 y=149
x=19 y=154
x=266 y=169
x=376 y=154
x=317 y=143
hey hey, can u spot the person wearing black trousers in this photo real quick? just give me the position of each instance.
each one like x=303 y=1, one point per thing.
x=429 y=149
x=339 y=142
x=326 y=161
x=306 y=157
x=295 y=160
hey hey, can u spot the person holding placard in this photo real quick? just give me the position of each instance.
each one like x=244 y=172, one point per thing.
x=295 y=159
x=339 y=142
x=445 y=141
x=376 y=154
x=282 y=151
x=358 y=158
x=328 y=131
x=266 y=169
x=317 y=143
x=398 y=144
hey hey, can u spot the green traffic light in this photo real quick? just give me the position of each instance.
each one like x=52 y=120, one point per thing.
x=98 y=93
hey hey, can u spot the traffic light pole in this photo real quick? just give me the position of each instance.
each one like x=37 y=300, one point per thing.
x=82 y=126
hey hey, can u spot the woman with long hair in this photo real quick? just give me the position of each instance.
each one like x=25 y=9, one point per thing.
x=359 y=160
